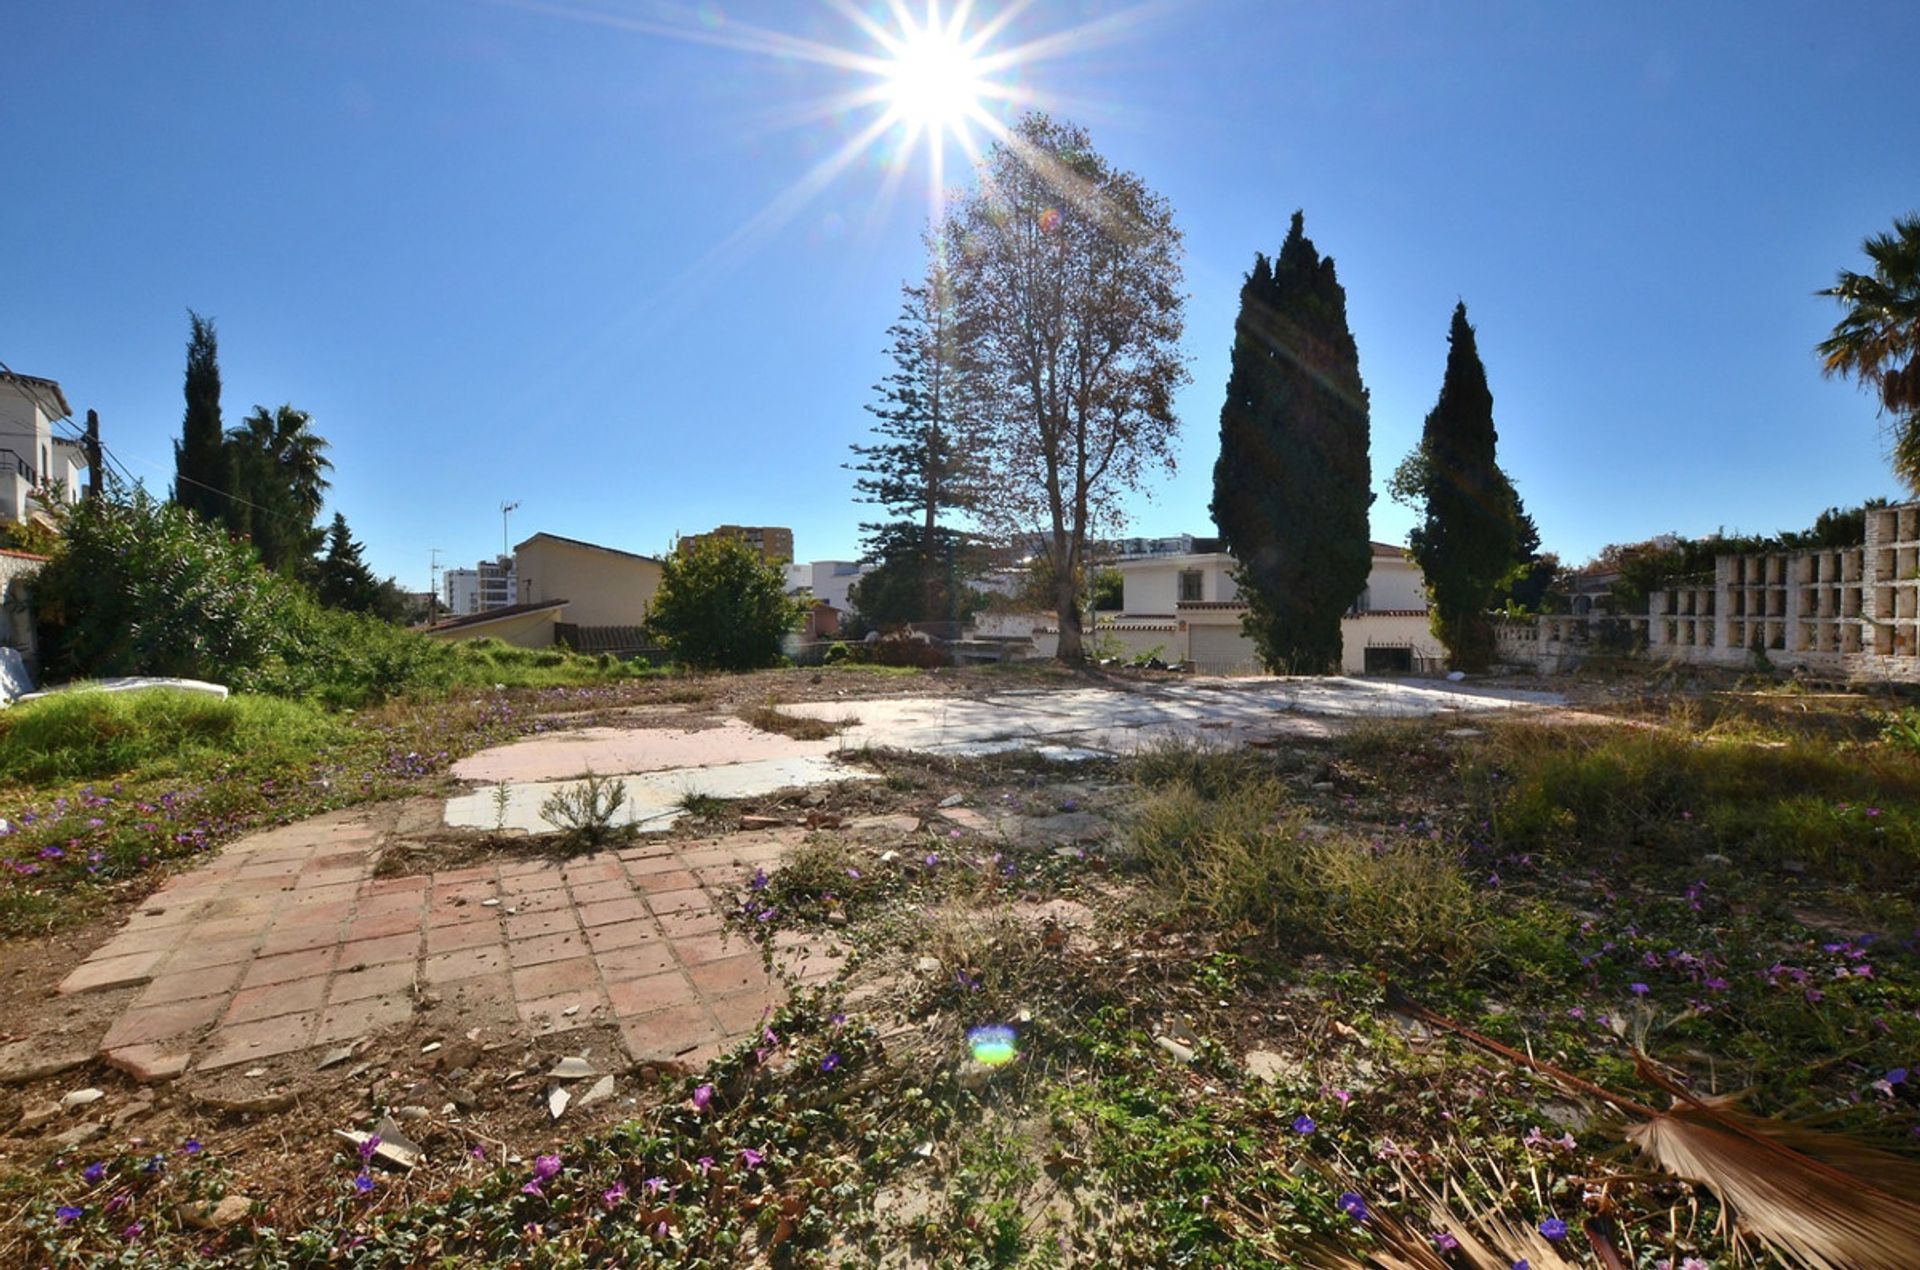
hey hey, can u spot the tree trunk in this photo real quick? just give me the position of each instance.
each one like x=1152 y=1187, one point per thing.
x=1066 y=602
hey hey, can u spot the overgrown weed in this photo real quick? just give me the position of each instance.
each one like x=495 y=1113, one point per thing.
x=1242 y=855
x=1852 y=812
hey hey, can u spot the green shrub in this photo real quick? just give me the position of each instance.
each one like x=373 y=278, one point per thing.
x=721 y=607
x=141 y=587
x=87 y=735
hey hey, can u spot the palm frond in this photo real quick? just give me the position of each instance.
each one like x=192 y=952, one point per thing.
x=1819 y=1200
x=1772 y=1178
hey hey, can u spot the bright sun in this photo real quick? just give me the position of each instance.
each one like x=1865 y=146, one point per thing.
x=934 y=81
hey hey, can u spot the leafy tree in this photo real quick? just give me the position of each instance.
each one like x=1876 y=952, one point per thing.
x=920 y=468
x=720 y=606
x=277 y=471
x=342 y=579
x=1877 y=341
x=199 y=461
x=1468 y=541
x=1290 y=489
x=1066 y=279
x=1109 y=590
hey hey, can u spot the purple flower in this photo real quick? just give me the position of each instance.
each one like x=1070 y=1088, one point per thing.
x=363 y=1182
x=702 y=1096
x=95 y=1171
x=655 y=1185
x=830 y=1062
x=68 y=1213
x=1343 y=1096
x=1304 y=1124
x=759 y=882
x=1638 y=989
x=1553 y=1228
x=614 y=1194
x=532 y=1188
x=192 y=1146
x=368 y=1147
x=1898 y=1076
x=545 y=1167
x=751 y=1158
x=1353 y=1206
x=1444 y=1241
x=134 y=1232
x=1523 y=1264
x=706 y=1164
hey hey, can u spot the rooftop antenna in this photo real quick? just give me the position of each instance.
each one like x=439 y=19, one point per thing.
x=433 y=584
x=506 y=510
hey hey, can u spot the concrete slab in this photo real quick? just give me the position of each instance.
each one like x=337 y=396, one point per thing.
x=570 y=755
x=653 y=796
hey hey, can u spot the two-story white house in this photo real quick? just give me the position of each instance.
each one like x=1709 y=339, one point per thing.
x=1186 y=608
x=33 y=461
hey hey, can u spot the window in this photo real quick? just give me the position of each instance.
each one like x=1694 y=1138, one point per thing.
x=1190 y=586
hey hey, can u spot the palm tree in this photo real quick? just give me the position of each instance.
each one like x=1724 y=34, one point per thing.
x=1877 y=342
x=279 y=466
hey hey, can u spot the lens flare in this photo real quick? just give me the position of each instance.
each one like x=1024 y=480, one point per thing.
x=992 y=1045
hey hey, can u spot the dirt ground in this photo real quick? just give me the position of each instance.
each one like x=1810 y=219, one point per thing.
x=469 y=1097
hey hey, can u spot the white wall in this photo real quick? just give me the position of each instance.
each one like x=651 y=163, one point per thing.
x=1395 y=584
x=1152 y=585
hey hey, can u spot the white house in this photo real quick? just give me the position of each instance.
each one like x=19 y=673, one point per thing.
x=829 y=582
x=33 y=461
x=1186 y=608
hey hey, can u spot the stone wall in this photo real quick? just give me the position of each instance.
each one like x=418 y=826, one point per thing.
x=1852 y=612
x=16 y=603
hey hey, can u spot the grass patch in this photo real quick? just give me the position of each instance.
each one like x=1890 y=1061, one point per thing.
x=90 y=735
x=1851 y=812
x=770 y=718
x=1245 y=857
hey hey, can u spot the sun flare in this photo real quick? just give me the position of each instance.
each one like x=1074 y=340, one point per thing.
x=934 y=81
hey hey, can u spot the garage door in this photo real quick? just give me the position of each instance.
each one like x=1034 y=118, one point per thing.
x=1221 y=650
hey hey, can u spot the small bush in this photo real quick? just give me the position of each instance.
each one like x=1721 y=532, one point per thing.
x=720 y=606
x=584 y=813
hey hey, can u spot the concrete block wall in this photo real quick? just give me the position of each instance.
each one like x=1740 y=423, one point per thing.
x=1851 y=611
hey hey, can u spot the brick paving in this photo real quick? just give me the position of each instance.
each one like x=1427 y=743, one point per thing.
x=287 y=941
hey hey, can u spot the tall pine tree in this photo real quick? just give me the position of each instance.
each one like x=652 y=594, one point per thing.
x=919 y=469
x=201 y=477
x=1470 y=538
x=1290 y=489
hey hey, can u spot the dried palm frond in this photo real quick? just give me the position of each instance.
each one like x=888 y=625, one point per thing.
x=1819 y=1200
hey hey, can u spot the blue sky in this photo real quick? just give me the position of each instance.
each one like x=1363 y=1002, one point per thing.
x=506 y=251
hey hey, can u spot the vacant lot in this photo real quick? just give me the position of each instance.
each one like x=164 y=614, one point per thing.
x=1201 y=1001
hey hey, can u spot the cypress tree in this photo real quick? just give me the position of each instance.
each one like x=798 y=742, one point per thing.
x=1290 y=489
x=1470 y=538
x=201 y=477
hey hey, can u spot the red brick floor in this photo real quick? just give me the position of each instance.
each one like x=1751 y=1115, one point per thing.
x=286 y=940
